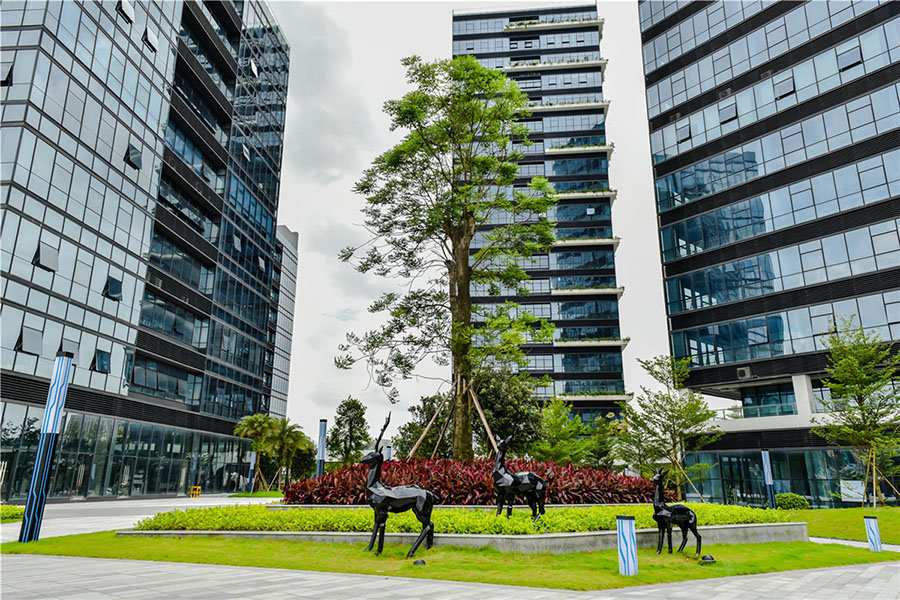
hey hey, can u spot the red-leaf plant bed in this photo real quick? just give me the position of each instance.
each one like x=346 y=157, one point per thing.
x=469 y=482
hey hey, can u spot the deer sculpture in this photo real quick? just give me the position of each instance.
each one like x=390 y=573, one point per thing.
x=509 y=485
x=666 y=515
x=397 y=499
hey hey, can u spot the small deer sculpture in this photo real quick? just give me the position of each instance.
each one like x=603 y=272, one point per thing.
x=397 y=499
x=509 y=485
x=666 y=515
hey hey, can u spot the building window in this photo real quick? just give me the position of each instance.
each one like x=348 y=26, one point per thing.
x=683 y=133
x=133 y=157
x=6 y=73
x=113 y=289
x=236 y=242
x=784 y=88
x=46 y=257
x=253 y=68
x=30 y=341
x=126 y=9
x=101 y=362
x=727 y=113
x=150 y=39
x=262 y=263
x=849 y=59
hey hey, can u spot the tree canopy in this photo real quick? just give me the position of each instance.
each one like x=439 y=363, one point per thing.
x=426 y=198
x=349 y=434
x=864 y=408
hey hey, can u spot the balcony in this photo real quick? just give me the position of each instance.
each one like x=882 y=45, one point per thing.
x=607 y=148
x=591 y=343
x=588 y=195
x=552 y=25
x=575 y=398
x=755 y=412
x=609 y=291
x=553 y=66
x=542 y=108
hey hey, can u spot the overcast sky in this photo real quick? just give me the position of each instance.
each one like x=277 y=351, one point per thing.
x=345 y=62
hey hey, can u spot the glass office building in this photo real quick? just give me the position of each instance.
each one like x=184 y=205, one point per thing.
x=554 y=56
x=286 y=254
x=775 y=148
x=141 y=155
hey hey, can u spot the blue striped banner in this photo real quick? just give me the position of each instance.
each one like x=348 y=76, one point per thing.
x=873 y=534
x=37 y=491
x=627 y=540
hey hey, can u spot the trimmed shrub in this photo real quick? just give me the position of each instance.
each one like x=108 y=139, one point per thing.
x=791 y=502
x=11 y=511
x=469 y=482
x=456 y=520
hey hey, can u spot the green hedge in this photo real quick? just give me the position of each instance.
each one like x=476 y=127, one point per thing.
x=11 y=512
x=557 y=520
x=791 y=502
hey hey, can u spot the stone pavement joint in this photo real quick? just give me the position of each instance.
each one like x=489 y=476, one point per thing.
x=24 y=577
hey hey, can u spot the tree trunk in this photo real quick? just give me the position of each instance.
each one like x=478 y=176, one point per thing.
x=460 y=345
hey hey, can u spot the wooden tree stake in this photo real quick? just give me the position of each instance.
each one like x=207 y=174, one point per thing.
x=431 y=422
x=487 y=428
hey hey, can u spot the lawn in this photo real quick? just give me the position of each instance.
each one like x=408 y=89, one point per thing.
x=847 y=523
x=578 y=571
x=272 y=494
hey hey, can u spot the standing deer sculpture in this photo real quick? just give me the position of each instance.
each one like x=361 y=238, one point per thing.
x=397 y=499
x=666 y=515
x=509 y=485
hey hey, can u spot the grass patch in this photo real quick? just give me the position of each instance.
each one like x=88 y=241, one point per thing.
x=460 y=520
x=11 y=512
x=578 y=571
x=274 y=494
x=847 y=523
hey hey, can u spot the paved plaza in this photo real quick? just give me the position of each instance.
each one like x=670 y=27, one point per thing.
x=69 y=518
x=25 y=578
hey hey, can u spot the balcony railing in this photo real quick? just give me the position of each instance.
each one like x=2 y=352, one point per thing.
x=754 y=412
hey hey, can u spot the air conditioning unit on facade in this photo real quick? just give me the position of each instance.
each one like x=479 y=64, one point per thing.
x=744 y=373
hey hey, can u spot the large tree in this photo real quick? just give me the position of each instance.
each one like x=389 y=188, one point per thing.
x=255 y=427
x=864 y=408
x=283 y=440
x=664 y=421
x=349 y=434
x=425 y=199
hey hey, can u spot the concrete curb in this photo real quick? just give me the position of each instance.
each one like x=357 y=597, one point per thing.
x=436 y=506
x=553 y=543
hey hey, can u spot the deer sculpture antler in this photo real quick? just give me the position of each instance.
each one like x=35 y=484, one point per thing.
x=383 y=429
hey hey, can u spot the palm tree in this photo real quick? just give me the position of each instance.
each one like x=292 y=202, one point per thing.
x=283 y=440
x=257 y=428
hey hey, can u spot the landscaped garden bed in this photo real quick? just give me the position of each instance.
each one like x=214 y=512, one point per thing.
x=470 y=482
x=11 y=512
x=559 y=520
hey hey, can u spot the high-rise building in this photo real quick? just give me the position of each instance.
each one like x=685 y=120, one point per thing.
x=776 y=158
x=286 y=254
x=554 y=56
x=141 y=158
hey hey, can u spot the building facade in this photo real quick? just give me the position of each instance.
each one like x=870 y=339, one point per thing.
x=775 y=147
x=554 y=56
x=286 y=255
x=141 y=159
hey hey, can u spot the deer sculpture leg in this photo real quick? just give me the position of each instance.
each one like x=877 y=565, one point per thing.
x=381 y=525
x=662 y=533
x=374 y=532
x=693 y=527
x=509 y=505
x=423 y=513
x=500 y=500
x=541 y=498
x=684 y=532
x=668 y=535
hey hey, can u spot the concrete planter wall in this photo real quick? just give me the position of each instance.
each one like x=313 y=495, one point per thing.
x=554 y=543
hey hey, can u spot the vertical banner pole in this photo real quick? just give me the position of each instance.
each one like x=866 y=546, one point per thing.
x=627 y=542
x=252 y=471
x=320 y=457
x=873 y=534
x=387 y=453
x=769 y=481
x=37 y=491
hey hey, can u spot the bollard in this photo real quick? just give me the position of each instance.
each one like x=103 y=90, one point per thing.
x=873 y=534
x=627 y=542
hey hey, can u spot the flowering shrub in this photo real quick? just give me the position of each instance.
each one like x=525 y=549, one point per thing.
x=453 y=520
x=469 y=482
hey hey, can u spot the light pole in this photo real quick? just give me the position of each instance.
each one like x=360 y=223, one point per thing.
x=320 y=458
